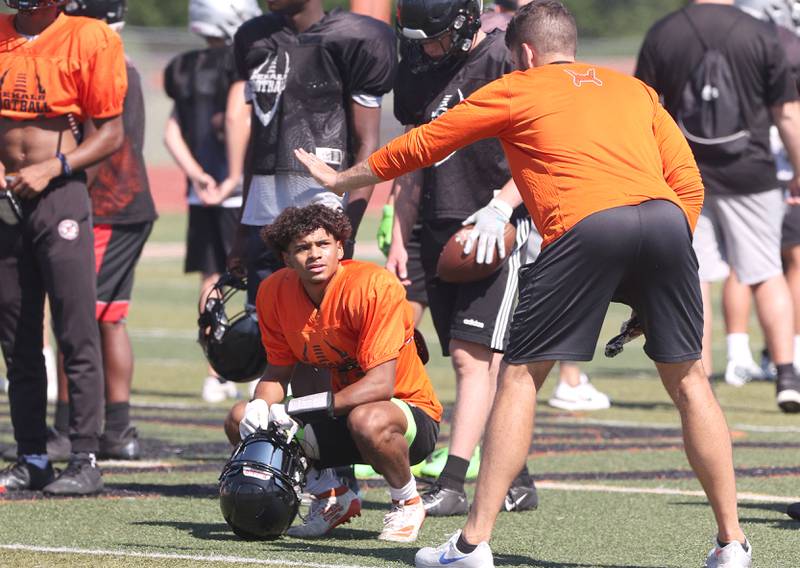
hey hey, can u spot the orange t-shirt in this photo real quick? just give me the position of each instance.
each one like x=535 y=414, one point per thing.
x=579 y=139
x=364 y=320
x=76 y=65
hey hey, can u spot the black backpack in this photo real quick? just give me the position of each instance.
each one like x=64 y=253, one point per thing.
x=709 y=113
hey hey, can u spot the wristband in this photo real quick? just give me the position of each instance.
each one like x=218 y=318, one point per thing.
x=66 y=170
x=311 y=408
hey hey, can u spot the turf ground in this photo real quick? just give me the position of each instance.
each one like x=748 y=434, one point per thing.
x=615 y=489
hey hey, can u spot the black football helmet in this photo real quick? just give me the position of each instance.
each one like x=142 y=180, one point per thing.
x=111 y=11
x=424 y=20
x=32 y=5
x=259 y=488
x=232 y=344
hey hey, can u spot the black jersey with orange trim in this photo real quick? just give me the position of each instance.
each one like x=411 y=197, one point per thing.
x=120 y=191
x=301 y=84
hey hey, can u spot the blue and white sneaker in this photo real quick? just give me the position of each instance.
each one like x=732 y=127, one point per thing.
x=448 y=555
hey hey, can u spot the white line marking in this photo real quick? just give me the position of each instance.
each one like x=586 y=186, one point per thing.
x=154 y=555
x=675 y=426
x=558 y=486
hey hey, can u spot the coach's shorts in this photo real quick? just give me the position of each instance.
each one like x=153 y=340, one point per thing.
x=742 y=232
x=638 y=255
x=337 y=448
x=415 y=292
x=790 y=232
x=117 y=249
x=209 y=238
x=478 y=312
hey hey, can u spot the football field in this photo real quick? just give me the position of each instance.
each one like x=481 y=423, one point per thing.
x=615 y=489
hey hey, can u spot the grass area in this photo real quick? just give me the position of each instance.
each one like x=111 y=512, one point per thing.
x=167 y=514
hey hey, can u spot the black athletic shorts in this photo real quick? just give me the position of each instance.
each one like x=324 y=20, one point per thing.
x=790 y=232
x=478 y=312
x=117 y=249
x=337 y=448
x=638 y=255
x=415 y=292
x=209 y=238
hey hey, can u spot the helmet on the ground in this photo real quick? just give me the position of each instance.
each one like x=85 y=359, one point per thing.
x=220 y=18
x=32 y=5
x=776 y=11
x=420 y=21
x=232 y=344
x=111 y=11
x=259 y=488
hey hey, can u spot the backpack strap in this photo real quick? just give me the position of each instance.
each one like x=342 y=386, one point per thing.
x=696 y=31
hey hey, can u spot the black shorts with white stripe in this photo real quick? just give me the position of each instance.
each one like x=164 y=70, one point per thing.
x=478 y=312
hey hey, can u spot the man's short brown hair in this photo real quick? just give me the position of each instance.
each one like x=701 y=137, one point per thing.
x=545 y=25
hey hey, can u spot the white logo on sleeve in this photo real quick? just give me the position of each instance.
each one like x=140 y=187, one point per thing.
x=474 y=323
x=68 y=229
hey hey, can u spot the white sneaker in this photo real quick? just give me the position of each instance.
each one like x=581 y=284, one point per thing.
x=52 y=373
x=328 y=510
x=403 y=522
x=582 y=397
x=448 y=555
x=739 y=373
x=216 y=391
x=732 y=556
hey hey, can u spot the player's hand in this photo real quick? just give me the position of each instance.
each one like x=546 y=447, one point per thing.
x=256 y=417
x=490 y=224
x=385 y=229
x=397 y=262
x=324 y=174
x=32 y=180
x=794 y=191
x=203 y=185
x=279 y=417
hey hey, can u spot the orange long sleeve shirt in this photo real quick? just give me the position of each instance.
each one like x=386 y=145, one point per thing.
x=579 y=139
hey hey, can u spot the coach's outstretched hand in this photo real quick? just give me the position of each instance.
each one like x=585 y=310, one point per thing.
x=490 y=223
x=339 y=183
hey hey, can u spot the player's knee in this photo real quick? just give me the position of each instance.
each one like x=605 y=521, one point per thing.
x=232 y=422
x=368 y=423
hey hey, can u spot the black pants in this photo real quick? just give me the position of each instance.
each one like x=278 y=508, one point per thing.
x=51 y=251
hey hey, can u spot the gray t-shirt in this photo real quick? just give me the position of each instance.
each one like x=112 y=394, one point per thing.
x=269 y=195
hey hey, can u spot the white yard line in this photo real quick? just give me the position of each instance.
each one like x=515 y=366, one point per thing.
x=158 y=555
x=676 y=426
x=558 y=486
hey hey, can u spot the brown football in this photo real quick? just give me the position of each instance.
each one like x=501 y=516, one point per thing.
x=456 y=267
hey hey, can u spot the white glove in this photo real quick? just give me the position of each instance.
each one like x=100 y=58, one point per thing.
x=278 y=416
x=490 y=224
x=256 y=417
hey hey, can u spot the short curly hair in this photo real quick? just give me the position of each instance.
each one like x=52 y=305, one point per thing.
x=297 y=222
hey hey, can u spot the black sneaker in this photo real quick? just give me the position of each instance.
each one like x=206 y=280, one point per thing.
x=444 y=502
x=120 y=446
x=23 y=475
x=788 y=393
x=794 y=511
x=59 y=448
x=82 y=477
x=521 y=495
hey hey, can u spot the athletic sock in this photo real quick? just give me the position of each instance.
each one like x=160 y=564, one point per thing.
x=404 y=493
x=118 y=416
x=37 y=460
x=745 y=544
x=463 y=546
x=739 y=347
x=785 y=371
x=62 y=417
x=454 y=473
x=523 y=477
x=321 y=481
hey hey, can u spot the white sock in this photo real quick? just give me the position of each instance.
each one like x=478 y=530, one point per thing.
x=38 y=460
x=406 y=492
x=739 y=347
x=320 y=481
x=797 y=351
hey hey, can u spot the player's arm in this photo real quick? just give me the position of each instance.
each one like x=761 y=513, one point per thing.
x=787 y=118
x=274 y=383
x=484 y=114
x=366 y=131
x=237 y=136
x=237 y=117
x=179 y=150
x=375 y=386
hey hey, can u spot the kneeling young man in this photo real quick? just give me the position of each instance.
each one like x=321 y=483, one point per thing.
x=353 y=318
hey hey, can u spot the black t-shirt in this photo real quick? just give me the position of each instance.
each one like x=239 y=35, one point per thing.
x=672 y=49
x=301 y=84
x=120 y=192
x=465 y=181
x=198 y=82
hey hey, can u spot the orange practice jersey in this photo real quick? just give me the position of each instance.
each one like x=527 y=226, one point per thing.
x=76 y=65
x=364 y=320
x=579 y=139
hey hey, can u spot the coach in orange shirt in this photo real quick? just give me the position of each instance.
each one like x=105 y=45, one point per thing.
x=353 y=318
x=613 y=188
